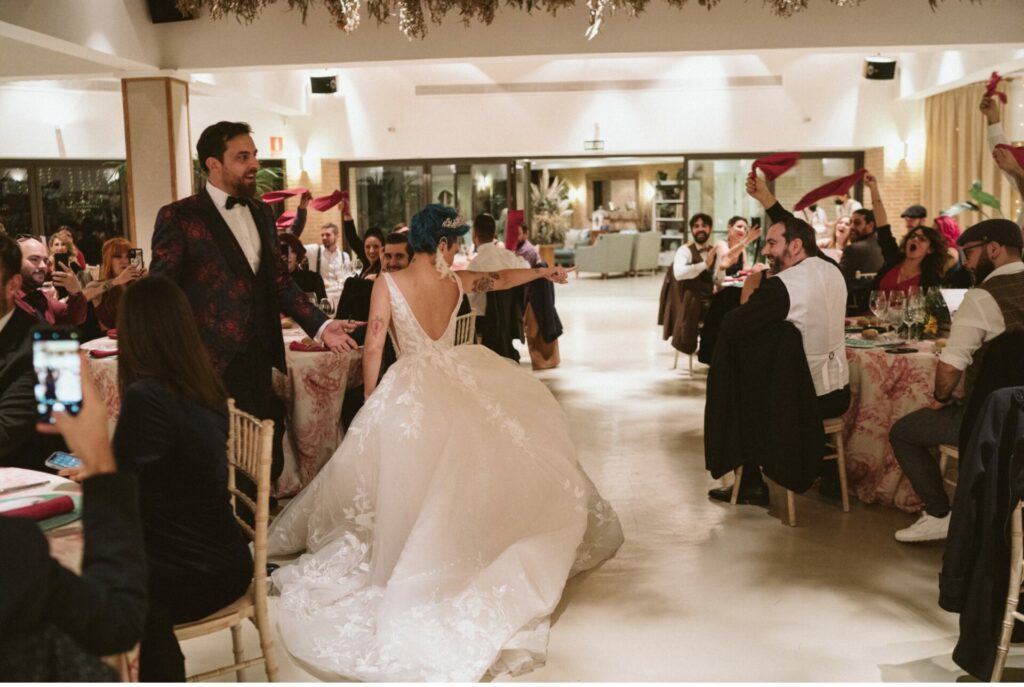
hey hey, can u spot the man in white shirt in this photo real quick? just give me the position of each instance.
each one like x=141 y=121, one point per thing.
x=992 y=251
x=845 y=205
x=490 y=257
x=327 y=257
x=693 y=270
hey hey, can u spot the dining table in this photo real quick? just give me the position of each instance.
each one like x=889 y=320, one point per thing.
x=887 y=381
x=312 y=389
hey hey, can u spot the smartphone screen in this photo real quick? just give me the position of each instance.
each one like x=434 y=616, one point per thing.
x=58 y=371
x=59 y=460
x=135 y=257
x=61 y=258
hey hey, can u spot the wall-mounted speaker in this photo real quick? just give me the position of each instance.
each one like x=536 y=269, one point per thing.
x=880 y=68
x=323 y=84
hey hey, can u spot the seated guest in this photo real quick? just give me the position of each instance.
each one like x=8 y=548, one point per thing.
x=817 y=218
x=62 y=242
x=20 y=446
x=834 y=247
x=992 y=251
x=45 y=305
x=368 y=248
x=807 y=291
x=913 y=217
x=116 y=273
x=956 y=275
x=863 y=254
x=56 y=624
x=845 y=206
x=172 y=433
x=732 y=258
x=917 y=262
x=490 y=257
x=308 y=281
x=397 y=252
x=327 y=258
x=692 y=268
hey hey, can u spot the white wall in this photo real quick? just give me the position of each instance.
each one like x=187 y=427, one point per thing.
x=91 y=124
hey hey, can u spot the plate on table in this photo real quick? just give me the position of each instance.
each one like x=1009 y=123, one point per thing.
x=50 y=523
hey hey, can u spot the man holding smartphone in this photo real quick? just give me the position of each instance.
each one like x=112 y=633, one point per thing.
x=20 y=446
x=42 y=305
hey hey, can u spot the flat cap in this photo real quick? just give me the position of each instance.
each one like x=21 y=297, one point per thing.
x=1002 y=231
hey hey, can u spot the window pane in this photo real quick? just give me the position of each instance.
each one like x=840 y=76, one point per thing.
x=15 y=203
x=85 y=198
x=386 y=196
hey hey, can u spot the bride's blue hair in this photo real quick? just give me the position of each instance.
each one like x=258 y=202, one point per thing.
x=433 y=223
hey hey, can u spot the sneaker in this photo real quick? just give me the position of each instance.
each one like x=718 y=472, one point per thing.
x=927 y=528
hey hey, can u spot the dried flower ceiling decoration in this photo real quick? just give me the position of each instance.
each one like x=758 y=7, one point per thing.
x=413 y=14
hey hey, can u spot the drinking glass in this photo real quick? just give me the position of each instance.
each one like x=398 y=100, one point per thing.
x=357 y=267
x=909 y=315
x=879 y=304
x=897 y=304
x=325 y=307
x=916 y=303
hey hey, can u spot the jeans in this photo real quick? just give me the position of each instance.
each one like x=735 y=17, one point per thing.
x=911 y=438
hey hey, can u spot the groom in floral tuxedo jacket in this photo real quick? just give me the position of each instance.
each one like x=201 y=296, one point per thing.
x=220 y=247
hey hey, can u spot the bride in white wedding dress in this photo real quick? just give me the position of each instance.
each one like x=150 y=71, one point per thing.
x=440 y=535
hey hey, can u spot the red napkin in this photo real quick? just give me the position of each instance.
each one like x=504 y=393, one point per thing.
x=515 y=218
x=836 y=187
x=990 y=88
x=1018 y=152
x=307 y=348
x=96 y=353
x=43 y=509
x=775 y=165
x=325 y=203
x=112 y=333
x=278 y=196
x=286 y=219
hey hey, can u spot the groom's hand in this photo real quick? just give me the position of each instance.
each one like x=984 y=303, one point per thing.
x=335 y=338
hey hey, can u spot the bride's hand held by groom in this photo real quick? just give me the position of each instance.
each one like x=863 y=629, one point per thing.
x=559 y=275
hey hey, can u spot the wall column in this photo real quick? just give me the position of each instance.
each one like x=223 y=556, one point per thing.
x=158 y=146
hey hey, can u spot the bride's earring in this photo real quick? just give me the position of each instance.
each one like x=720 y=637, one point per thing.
x=440 y=264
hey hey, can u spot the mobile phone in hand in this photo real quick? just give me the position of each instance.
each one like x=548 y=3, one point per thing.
x=61 y=259
x=135 y=258
x=58 y=372
x=59 y=460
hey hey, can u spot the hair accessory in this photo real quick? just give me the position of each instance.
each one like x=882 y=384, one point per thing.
x=453 y=222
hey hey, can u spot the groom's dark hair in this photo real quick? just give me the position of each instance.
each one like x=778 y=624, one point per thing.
x=484 y=227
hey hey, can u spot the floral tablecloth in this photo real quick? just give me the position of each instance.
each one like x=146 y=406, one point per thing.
x=313 y=392
x=884 y=387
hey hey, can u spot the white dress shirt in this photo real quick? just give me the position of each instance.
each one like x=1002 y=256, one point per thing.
x=848 y=208
x=241 y=223
x=816 y=218
x=996 y=137
x=977 y=320
x=682 y=268
x=491 y=257
x=331 y=263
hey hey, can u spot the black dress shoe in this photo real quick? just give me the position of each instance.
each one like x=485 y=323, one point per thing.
x=751 y=496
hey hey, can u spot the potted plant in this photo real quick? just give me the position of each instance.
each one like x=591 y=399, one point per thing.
x=551 y=210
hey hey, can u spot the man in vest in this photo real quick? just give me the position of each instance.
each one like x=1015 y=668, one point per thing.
x=327 y=258
x=992 y=251
x=809 y=291
x=693 y=269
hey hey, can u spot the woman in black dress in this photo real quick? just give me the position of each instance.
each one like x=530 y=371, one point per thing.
x=173 y=433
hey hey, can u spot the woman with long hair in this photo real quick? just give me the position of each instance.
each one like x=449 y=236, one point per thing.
x=835 y=246
x=918 y=261
x=116 y=273
x=441 y=534
x=172 y=432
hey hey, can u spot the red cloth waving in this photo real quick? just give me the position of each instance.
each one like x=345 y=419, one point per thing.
x=277 y=196
x=990 y=87
x=325 y=203
x=836 y=187
x=1017 y=151
x=775 y=165
x=286 y=219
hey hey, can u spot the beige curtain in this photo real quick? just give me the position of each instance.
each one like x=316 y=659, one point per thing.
x=957 y=154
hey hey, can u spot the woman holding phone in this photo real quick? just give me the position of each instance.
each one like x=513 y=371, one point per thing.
x=116 y=273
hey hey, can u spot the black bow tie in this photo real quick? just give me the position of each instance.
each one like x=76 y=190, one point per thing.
x=237 y=200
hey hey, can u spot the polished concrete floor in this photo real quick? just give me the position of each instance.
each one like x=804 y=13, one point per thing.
x=704 y=591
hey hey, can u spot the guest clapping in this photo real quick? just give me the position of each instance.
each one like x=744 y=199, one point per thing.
x=173 y=432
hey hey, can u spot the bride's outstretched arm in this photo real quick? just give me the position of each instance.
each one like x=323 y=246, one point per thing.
x=482 y=282
x=376 y=335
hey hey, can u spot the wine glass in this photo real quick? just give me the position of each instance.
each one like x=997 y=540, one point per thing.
x=897 y=304
x=357 y=267
x=916 y=304
x=325 y=307
x=879 y=304
x=909 y=315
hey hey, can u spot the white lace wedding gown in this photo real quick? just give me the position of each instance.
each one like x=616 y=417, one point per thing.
x=440 y=535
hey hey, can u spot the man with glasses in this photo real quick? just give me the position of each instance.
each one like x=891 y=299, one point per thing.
x=992 y=251
x=42 y=304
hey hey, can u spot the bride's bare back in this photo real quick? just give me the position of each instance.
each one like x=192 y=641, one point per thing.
x=431 y=298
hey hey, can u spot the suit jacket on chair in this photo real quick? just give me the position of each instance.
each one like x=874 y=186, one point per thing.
x=194 y=246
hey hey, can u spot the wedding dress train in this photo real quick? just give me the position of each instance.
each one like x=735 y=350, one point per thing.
x=440 y=535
